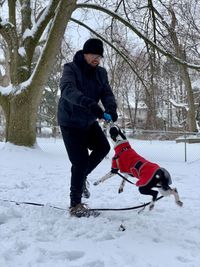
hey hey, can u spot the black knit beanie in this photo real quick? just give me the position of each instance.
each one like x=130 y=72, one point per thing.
x=93 y=46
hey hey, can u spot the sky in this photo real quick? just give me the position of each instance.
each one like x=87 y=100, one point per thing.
x=33 y=236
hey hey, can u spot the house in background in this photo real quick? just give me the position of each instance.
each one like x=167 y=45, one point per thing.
x=138 y=119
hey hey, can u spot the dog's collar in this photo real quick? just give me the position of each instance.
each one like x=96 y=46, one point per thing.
x=121 y=151
x=119 y=142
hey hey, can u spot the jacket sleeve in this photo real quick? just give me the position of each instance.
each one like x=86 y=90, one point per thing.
x=107 y=97
x=69 y=90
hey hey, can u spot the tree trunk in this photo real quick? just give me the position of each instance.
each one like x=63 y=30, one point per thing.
x=184 y=72
x=20 y=108
x=190 y=97
x=21 y=120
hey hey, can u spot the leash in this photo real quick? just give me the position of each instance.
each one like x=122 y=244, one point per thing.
x=124 y=178
x=31 y=203
x=124 y=209
x=63 y=209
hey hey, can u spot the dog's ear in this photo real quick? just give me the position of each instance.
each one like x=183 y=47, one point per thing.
x=122 y=135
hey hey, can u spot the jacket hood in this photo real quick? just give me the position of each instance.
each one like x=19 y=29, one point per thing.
x=79 y=58
x=80 y=61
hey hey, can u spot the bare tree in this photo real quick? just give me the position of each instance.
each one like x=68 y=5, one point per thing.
x=21 y=98
x=155 y=35
x=46 y=25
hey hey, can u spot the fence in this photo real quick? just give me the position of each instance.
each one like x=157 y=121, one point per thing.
x=183 y=146
x=186 y=143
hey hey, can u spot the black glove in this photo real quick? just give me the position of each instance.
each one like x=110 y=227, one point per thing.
x=96 y=110
x=113 y=114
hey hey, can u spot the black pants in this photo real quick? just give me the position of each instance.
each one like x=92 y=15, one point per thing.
x=158 y=178
x=78 y=142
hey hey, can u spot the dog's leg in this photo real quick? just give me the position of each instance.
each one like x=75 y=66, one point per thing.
x=175 y=193
x=147 y=190
x=121 y=187
x=152 y=204
x=171 y=191
x=104 y=178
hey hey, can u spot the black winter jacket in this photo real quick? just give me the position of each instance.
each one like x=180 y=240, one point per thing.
x=81 y=85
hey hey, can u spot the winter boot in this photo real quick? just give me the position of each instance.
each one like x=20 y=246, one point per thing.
x=82 y=210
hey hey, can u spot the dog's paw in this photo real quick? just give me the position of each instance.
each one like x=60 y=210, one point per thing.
x=120 y=190
x=179 y=203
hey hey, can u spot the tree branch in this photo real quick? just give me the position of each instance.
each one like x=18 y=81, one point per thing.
x=153 y=18
x=45 y=16
x=141 y=35
x=12 y=11
x=26 y=15
x=124 y=56
x=31 y=40
x=48 y=56
x=8 y=31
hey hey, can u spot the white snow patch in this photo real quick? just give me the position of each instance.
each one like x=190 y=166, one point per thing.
x=43 y=236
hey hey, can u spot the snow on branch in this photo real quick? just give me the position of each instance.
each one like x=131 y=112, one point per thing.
x=8 y=31
x=121 y=53
x=15 y=90
x=178 y=105
x=41 y=22
x=6 y=90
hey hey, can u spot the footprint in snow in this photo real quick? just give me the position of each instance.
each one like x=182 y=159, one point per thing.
x=183 y=259
x=7 y=215
x=94 y=264
x=62 y=255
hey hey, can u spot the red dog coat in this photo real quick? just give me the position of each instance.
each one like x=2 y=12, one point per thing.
x=128 y=161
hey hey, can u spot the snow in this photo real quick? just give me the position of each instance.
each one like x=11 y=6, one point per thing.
x=178 y=105
x=34 y=236
x=31 y=32
x=22 y=51
x=6 y=90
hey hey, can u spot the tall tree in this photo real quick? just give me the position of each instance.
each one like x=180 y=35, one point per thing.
x=20 y=99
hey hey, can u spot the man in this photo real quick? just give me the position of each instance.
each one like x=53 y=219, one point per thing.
x=82 y=85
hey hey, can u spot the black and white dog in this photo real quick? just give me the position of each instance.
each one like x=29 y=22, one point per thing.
x=150 y=175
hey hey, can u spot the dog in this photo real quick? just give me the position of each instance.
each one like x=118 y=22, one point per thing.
x=150 y=175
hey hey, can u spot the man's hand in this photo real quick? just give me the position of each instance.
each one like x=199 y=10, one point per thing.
x=96 y=110
x=113 y=114
x=107 y=117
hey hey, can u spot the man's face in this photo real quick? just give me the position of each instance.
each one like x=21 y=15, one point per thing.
x=92 y=59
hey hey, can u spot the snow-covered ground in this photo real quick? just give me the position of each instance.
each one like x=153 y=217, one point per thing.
x=32 y=236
